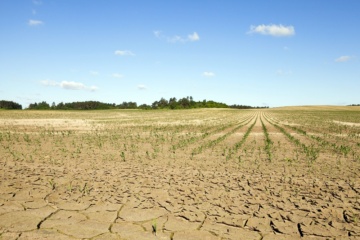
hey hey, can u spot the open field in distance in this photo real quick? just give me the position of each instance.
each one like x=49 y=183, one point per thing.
x=282 y=173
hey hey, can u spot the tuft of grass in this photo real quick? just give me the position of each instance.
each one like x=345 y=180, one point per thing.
x=70 y=187
x=122 y=155
x=154 y=227
x=288 y=160
x=52 y=184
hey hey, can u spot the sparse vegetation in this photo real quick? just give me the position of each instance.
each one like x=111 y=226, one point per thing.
x=183 y=166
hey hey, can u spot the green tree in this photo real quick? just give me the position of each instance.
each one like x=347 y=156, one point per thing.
x=9 y=105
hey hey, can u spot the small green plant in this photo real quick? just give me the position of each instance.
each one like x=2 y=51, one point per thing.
x=85 y=190
x=239 y=160
x=288 y=160
x=154 y=227
x=122 y=155
x=356 y=219
x=312 y=153
x=70 y=187
x=344 y=150
x=27 y=138
x=52 y=184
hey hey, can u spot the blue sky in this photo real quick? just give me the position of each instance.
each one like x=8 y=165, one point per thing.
x=274 y=53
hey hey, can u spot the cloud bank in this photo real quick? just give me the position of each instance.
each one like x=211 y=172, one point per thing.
x=69 y=85
x=273 y=30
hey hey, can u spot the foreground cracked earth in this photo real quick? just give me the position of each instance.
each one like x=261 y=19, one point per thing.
x=127 y=201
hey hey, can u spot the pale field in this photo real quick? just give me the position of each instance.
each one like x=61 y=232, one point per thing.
x=282 y=173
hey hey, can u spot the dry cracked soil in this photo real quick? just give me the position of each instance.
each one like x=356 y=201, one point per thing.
x=57 y=194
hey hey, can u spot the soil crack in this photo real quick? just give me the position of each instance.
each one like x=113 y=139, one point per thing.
x=43 y=220
x=300 y=230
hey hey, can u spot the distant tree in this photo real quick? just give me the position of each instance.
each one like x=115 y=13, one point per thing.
x=192 y=102
x=163 y=103
x=9 y=105
x=132 y=105
x=145 y=107
x=60 y=106
x=173 y=103
x=184 y=102
x=123 y=105
x=43 y=105
x=32 y=106
x=155 y=105
x=127 y=105
x=39 y=106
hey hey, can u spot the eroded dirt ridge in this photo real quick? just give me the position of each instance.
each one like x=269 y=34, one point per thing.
x=197 y=174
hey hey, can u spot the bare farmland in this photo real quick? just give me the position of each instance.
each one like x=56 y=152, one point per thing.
x=286 y=173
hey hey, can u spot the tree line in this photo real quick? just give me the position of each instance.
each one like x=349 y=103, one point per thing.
x=9 y=105
x=183 y=103
x=172 y=103
x=87 y=105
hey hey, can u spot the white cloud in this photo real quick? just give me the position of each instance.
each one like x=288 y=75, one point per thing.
x=72 y=85
x=193 y=37
x=141 y=87
x=174 y=39
x=32 y=22
x=124 y=53
x=69 y=85
x=343 y=59
x=94 y=73
x=208 y=74
x=273 y=30
x=117 y=75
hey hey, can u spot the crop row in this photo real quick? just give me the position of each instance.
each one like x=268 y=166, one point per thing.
x=342 y=149
x=211 y=143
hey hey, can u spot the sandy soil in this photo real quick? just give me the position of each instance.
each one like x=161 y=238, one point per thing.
x=347 y=123
x=176 y=175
